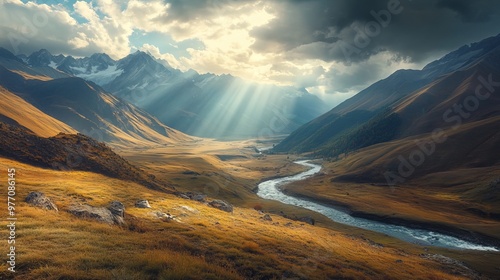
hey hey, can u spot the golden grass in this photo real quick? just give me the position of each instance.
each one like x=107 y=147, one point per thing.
x=204 y=243
x=27 y=115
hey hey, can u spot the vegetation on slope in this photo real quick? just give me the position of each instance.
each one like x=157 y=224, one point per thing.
x=204 y=243
x=382 y=128
x=69 y=152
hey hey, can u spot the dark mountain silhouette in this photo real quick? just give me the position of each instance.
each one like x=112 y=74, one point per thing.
x=407 y=103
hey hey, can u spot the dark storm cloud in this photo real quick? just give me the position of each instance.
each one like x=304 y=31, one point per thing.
x=347 y=31
x=184 y=11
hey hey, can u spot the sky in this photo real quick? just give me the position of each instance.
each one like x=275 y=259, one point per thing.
x=333 y=48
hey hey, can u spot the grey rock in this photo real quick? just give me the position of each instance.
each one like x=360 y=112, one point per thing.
x=221 y=205
x=166 y=217
x=266 y=217
x=112 y=215
x=308 y=220
x=39 y=199
x=142 y=204
x=100 y=214
x=199 y=197
x=117 y=208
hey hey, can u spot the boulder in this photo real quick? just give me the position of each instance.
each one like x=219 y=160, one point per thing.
x=166 y=217
x=308 y=220
x=117 y=208
x=192 y=196
x=199 y=197
x=39 y=199
x=266 y=217
x=113 y=214
x=142 y=204
x=100 y=214
x=221 y=205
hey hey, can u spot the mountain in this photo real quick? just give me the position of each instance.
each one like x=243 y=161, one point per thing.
x=16 y=111
x=407 y=103
x=205 y=105
x=81 y=105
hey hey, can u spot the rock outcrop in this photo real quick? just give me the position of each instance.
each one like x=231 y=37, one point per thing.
x=266 y=217
x=39 y=199
x=114 y=214
x=142 y=204
x=308 y=220
x=221 y=205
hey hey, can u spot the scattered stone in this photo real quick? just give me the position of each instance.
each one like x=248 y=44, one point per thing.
x=192 y=196
x=142 y=204
x=100 y=214
x=114 y=214
x=221 y=205
x=199 y=197
x=307 y=219
x=39 y=199
x=190 y=172
x=399 y=261
x=289 y=224
x=266 y=217
x=166 y=217
x=117 y=208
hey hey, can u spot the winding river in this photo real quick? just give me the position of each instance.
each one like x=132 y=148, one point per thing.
x=269 y=190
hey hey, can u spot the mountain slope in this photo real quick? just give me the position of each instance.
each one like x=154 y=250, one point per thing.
x=209 y=105
x=202 y=105
x=70 y=152
x=15 y=110
x=408 y=102
x=85 y=107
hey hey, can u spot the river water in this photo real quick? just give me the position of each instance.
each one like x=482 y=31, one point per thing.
x=269 y=190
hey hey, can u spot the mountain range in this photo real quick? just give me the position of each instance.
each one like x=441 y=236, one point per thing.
x=63 y=103
x=455 y=97
x=208 y=105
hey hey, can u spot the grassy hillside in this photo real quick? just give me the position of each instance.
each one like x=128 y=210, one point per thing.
x=201 y=243
x=16 y=111
x=69 y=152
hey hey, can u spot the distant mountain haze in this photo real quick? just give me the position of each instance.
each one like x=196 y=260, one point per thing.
x=205 y=105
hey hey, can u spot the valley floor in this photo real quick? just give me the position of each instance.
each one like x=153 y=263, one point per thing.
x=204 y=242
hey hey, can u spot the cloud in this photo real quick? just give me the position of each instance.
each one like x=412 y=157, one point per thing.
x=27 y=27
x=327 y=46
x=324 y=29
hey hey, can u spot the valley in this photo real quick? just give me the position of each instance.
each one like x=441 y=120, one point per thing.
x=205 y=241
x=129 y=168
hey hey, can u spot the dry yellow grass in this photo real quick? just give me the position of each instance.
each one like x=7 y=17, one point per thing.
x=204 y=243
x=27 y=115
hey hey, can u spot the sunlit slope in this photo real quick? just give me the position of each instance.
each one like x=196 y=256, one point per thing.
x=465 y=96
x=15 y=110
x=471 y=145
x=205 y=105
x=88 y=109
x=201 y=243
